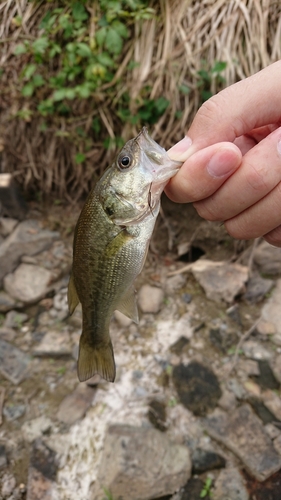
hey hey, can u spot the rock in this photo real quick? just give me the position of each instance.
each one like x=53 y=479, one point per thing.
x=257 y=288
x=174 y=283
x=42 y=473
x=150 y=299
x=223 y=339
x=205 y=460
x=255 y=350
x=28 y=283
x=265 y=327
x=6 y=302
x=27 y=239
x=272 y=431
x=253 y=388
x=141 y=463
x=277 y=444
x=7 y=334
x=271 y=311
x=234 y=313
x=261 y=410
x=15 y=319
x=157 y=414
x=221 y=281
x=227 y=401
x=193 y=489
x=276 y=367
x=230 y=485
x=3 y=457
x=7 y=225
x=35 y=428
x=273 y=402
x=197 y=387
x=14 y=363
x=54 y=343
x=266 y=378
x=243 y=434
x=268 y=258
x=249 y=367
x=13 y=412
x=74 y=406
x=8 y=483
x=180 y=346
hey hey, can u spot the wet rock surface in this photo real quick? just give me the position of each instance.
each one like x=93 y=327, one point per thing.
x=198 y=379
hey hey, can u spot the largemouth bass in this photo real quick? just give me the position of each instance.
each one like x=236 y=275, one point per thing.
x=111 y=240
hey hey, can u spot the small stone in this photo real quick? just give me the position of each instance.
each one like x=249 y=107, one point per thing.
x=150 y=299
x=28 y=283
x=28 y=238
x=255 y=350
x=15 y=319
x=33 y=429
x=221 y=281
x=227 y=401
x=257 y=288
x=266 y=378
x=174 y=283
x=13 y=412
x=74 y=406
x=261 y=410
x=230 y=485
x=141 y=463
x=122 y=320
x=187 y=298
x=276 y=339
x=249 y=367
x=7 y=225
x=268 y=258
x=180 y=346
x=265 y=327
x=3 y=457
x=197 y=387
x=7 y=334
x=54 y=343
x=157 y=415
x=8 y=484
x=272 y=431
x=193 y=489
x=6 y=302
x=14 y=363
x=234 y=313
x=205 y=460
x=276 y=367
x=271 y=311
x=42 y=473
x=252 y=388
x=223 y=339
x=243 y=434
x=234 y=386
x=277 y=444
x=273 y=402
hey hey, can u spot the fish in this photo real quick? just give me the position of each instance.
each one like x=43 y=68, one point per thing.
x=110 y=245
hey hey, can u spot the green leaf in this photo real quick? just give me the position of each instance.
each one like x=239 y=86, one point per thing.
x=206 y=94
x=100 y=36
x=29 y=70
x=28 y=89
x=218 y=67
x=40 y=45
x=20 y=49
x=70 y=93
x=79 y=12
x=83 y=90
x=79 y=158
x=105 y=59
x=38 y=80
x=83 y=50
x=184 y=89
x=54 y=50
x=121 y=28
x=59 y=94
x=45 y=107
x=113 y=41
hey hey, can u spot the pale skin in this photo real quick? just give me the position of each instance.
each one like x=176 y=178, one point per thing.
x=232 y=158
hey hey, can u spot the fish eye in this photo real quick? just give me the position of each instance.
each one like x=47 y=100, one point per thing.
x=124 y=162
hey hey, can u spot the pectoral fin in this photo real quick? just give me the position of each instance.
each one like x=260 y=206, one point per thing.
x=128 y=305
x=72 y=296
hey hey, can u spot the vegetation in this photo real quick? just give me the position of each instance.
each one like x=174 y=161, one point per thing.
x=79 y=78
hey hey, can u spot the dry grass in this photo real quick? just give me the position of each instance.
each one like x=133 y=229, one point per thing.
x=169 y=49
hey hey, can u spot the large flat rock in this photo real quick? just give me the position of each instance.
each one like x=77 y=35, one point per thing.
x=141 y=463
x=243 y=433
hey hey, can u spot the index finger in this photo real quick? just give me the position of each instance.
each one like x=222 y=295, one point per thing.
x=236 y=110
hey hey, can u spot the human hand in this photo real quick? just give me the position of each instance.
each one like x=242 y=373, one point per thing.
x=232 y=158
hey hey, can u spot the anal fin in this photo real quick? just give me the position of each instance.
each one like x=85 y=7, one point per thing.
x=72 y=296
x=128 y=305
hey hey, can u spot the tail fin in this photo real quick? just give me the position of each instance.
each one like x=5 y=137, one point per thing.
x=94 y=360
